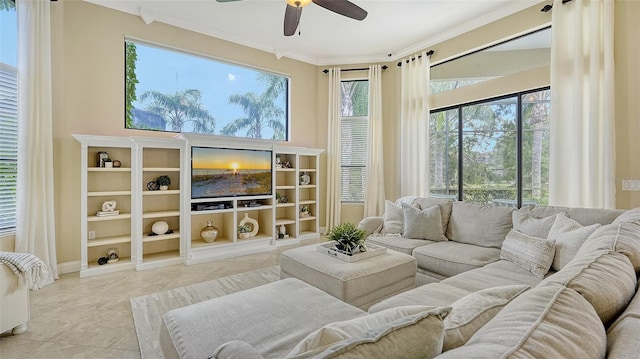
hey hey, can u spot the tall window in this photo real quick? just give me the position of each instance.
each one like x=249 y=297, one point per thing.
x=167 y=90
x=354 y=129
x=8 y=116
x=494 y=151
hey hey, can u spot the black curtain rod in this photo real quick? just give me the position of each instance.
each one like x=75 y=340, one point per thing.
x=429 y=53
x=548 y=7
x=326 y=71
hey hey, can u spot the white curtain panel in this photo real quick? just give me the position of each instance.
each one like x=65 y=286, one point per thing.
x=35 y=229
x=374 y=189
x=414 y=126
x=582 y=157
x=333 y=149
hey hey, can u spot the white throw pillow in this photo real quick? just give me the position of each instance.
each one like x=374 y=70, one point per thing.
x=473 y=311
x=423 y=224
x=531 y=253
x=632 y=215
x=402 y=332
x=568 y=235
x=534 y=226
x=393 y=219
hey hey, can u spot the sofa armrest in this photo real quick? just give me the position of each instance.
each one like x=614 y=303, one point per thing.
x=371 y=225
x=236 y=349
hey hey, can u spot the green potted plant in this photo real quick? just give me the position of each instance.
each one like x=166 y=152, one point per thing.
x=163 y=182
x=278 y=197
x=244 y=230
x=348 y=238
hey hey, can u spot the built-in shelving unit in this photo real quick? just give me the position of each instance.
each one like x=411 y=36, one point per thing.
x=279 y=216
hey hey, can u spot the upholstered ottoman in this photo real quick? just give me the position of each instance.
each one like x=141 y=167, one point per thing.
x=360 y=283
x=272 y=318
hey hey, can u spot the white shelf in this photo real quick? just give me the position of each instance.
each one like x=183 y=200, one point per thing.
x=161 y=193
x=281 y=221
x=120 y=216
x=307 y=170
x=161 y=169
x=285 y=187
x=305 y=186
x=257 y=208
x=288 y=204
x=310 y=218
x=309 y=201
x=161 y=214
x=108 y=193
x=108 y=169
x=213 y=211
x=108 y=241
x=160 y=237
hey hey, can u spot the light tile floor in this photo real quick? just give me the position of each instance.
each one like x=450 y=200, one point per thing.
x=91 y=317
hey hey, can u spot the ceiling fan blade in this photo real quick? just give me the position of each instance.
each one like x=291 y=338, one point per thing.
x=291 y=19
x=343 y=7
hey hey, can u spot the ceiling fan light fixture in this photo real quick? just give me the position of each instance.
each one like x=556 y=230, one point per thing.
x=298 y=3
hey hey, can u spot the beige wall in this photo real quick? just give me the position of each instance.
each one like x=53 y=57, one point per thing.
x=88 y=88
x=88 y=83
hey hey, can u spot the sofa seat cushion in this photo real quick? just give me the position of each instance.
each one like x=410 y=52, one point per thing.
x=398 y=243
x=481 y=225
x=236 y=349
x=495 y=274
x=544 y=322
x=269 y=317
x=451 y=258
x=433 y=294
x=604 y=279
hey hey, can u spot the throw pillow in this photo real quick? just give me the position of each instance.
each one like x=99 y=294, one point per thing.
x=568 y=235
x=446 y=206
x=402 y=332
x=533 y=226
x=544 y=322
x=605 y=279
x=531 y=253
x=423 y=224
x=393 y=219
x=632 y=215
x=473 y=311
x=236 y=349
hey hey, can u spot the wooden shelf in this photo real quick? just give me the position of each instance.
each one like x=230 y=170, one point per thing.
x=285 y=169
x=285 y=187
x=307 y=170
x=199 y=243
x=246 y=209
x=213 y=211
x=310 y=218
x=108 y=241
x=288 y=204
x=307 y=186
x=308 y=201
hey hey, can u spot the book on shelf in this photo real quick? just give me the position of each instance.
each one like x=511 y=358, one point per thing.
x=107 y=213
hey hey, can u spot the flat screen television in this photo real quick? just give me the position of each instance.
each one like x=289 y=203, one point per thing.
x=230 y=172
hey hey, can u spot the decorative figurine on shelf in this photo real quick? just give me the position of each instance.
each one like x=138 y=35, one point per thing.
x=304 y=212
x=100 y=157
x=247 y=227
x=282 y=231
x=278 y=161
x=305 y=179
x=284 y=199
x=113 y=255
x=117 y=164
x=160 y=227
x=163 y=182
x=108 y=163
x=278 y=197
x=209 y=233
x=108 y=209
x=286 y=164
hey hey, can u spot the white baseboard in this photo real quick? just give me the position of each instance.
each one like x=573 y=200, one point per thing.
x=68 y=267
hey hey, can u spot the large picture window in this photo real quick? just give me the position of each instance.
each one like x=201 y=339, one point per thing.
x=168 y=90
x=494 y=151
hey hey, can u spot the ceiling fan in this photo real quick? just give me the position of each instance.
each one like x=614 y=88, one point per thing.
x=294 y=11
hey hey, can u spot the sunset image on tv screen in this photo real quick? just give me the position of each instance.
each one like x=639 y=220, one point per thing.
x=226 y=172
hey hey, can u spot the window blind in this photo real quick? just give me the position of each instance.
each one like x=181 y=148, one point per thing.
x=354 y=157
x=8 y=147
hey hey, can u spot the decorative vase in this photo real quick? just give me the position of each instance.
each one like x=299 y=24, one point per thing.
x=209 y=233
x=164 y=188
x=252 y=223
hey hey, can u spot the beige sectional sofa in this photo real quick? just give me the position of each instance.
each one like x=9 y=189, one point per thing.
x=547 y=282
